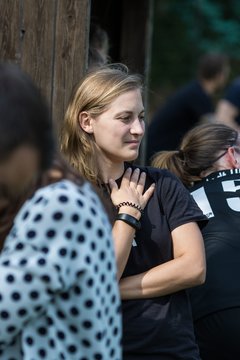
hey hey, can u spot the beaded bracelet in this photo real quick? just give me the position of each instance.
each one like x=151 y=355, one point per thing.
x=127 y=203
x=130 y=220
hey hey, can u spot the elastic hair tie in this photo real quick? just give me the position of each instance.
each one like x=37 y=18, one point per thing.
x=181 y=154
x=127 y=203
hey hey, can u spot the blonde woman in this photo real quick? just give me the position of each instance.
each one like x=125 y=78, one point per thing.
x=158 y=243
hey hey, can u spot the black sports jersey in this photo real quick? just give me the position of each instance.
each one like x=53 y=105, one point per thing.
x=218 y=195
x=161 y=327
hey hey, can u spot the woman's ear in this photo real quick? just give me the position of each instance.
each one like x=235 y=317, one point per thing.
x=85 y=122
x=232 y=158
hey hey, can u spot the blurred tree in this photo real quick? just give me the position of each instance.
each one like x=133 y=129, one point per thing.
x=185 y=29
x=214 y=25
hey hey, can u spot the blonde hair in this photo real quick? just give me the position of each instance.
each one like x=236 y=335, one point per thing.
x=93 y=94
x=200 y=148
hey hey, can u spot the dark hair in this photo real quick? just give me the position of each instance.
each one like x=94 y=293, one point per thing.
x=95 y=59
x=98 y=37
x=59 y=170
x=25 y=119
x=200 y=148
x=211 y=65
x=24 y=115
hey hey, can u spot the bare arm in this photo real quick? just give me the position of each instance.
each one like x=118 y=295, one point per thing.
x=131 y=190
x=123 y=236
x=226 y=113
x=187 y=269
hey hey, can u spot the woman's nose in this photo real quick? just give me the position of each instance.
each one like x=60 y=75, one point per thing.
x=138 y=127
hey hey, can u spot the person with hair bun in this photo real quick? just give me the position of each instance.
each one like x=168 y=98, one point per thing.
x=208 y=163
x=158 y=243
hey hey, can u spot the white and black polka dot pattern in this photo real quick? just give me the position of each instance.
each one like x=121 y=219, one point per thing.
x=59 y=297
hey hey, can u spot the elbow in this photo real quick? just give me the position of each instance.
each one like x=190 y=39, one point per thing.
x=199 y=275
x=196 y=273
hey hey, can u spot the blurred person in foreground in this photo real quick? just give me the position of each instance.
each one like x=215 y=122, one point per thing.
x=187 y=105
x=59 y=297
x=208 y=163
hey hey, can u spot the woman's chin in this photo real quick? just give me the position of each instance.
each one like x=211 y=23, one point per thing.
x=132 y=158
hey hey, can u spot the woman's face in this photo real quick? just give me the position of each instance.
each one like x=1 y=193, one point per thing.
x=119 y=130
x=18 y=172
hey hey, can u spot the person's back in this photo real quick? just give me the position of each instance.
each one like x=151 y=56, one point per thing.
x=185 y=108
x=217 y=195
x=209 y=164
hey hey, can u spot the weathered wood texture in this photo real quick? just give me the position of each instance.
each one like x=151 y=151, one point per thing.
x=36 y=42
x=71 y=50
x=49 y=40
x=10 y=30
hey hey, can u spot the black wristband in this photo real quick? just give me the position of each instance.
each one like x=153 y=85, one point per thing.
x=130 y=220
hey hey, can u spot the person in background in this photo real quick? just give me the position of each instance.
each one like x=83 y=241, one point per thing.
x=98 y=46
x=228 y=107
x=208 y=163
x=188 y=105
x=59 y=297
x=158 y=243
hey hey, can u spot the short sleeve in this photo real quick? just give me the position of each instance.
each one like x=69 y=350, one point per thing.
x=177 y=203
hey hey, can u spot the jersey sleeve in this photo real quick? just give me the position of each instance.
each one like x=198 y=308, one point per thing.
x=178 y=205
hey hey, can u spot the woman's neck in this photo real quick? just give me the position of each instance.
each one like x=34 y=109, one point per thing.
x=111 y=170
x=212 y=170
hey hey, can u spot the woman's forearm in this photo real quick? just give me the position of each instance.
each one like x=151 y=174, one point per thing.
x=123 y=236
x=187 y=269
x=161 y=280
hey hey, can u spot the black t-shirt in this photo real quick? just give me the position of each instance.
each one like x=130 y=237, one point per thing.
x=218 y=195
x=233 y=96
x=159 y=328
x=180 y=113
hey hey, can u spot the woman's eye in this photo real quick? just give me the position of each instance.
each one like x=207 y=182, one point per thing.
x=125 y=118
x=142 y=118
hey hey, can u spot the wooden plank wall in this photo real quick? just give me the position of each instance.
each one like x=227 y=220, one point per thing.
x=49 y=40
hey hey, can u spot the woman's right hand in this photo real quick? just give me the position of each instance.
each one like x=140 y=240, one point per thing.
x=131 y=189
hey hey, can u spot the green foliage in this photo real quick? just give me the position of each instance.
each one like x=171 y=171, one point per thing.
x=184 y=29
x=214 y=25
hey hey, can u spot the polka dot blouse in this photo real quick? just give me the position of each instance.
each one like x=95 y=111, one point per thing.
x=58 y=292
